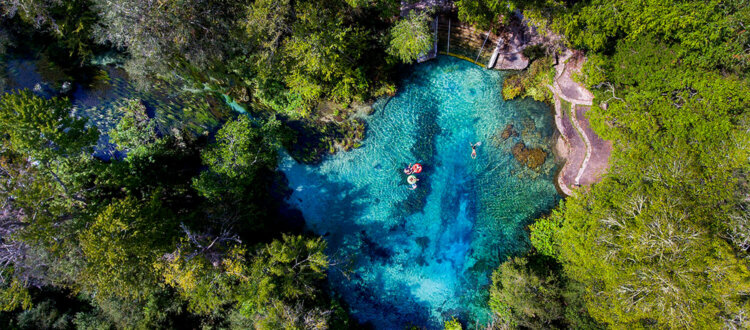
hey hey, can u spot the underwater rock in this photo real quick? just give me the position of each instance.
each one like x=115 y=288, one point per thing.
x=533 y=158
x=509 y=131
x=423 y=241
x=375 y=249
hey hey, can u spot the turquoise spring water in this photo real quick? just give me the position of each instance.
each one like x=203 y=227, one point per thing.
x=420 y=257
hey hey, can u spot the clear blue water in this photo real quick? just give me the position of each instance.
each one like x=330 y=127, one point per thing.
x=404 y=257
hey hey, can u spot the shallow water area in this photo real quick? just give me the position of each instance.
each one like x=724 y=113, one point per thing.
x=419 y=257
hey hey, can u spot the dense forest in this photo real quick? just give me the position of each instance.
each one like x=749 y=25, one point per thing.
x=662 y=242
x=180 y=229
x=177 y=229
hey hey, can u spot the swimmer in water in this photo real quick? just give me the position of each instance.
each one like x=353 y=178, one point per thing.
x=474 y=149
x=408 y=170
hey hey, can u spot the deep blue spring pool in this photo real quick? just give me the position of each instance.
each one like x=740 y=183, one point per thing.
x=419 y=257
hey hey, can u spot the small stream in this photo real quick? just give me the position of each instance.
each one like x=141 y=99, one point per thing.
x=171 y=106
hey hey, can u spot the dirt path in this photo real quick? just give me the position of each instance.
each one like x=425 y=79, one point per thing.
x=583 y=140
x=600 y=150
x=570 y=146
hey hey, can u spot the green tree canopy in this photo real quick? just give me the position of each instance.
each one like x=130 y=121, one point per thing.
x=265 y=288
x=241 y=150
x=135 y=132
x=42 y=128
x=45 y=164
x=322 y=54
x=120 y=246
x=411 y=37
x=482 y=13
x=650 y=242
x=163 y=36
x=710 y=33
x=521 y=297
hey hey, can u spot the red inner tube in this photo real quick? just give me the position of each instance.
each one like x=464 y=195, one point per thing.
x=416 y=168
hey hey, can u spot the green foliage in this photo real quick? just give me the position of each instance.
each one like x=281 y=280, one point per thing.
x=709 y=33
x=44 y=315
x=287 y=269
x=321 y=56
x=482 y=13
x=240 y=146
x=268 y=288
x=279 y=54
x=661 y=242
x=14 y=296
x=87 y=321
x=241 y=150
x=521 y=297
x=45 y=164
x=134 y=132
x=534 y=52
x=205 y=286
x=293 y=261
x=593 y=71
x=648 y=243
x=411 y=37
x=387 y=8
x=120 y=246
x=532 y=82
x=153 y=311
x=308 y=52
x=648 y=246
x=43 y=129
x=543 y=232
x=452 y=324
x=70 y=23
x=106 y=229
x=188 y=35
x=645 y=254
x=530 y=292
x=652 y=101
x=119 y=221
x=512 y=86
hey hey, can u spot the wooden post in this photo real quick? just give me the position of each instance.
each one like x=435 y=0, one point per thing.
x=437 y=25
x=448 y=50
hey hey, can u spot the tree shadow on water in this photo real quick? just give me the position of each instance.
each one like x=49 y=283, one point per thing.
x=382 y=304
x=424 y=150
x=357 y=248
